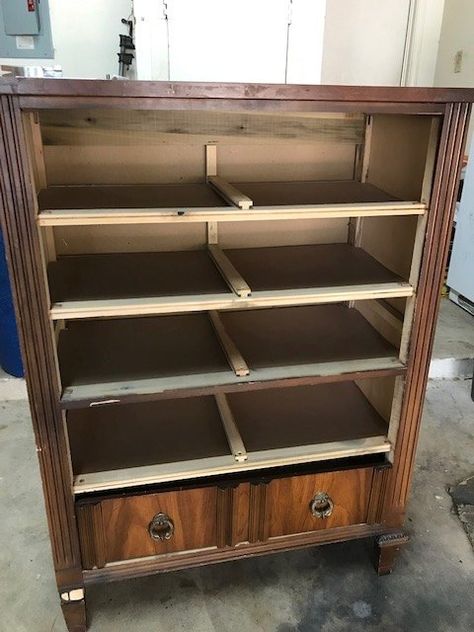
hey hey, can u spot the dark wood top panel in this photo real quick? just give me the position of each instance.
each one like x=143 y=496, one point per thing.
x=338 y=192
x=124 y=196
x=135 y=275
x=136 y=435
x=290 y=336
x=322 y=265
x=98 y=351
x=204 y=90
x=279 y=418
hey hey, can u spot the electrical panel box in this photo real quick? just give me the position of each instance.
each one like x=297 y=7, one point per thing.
x=25 y=29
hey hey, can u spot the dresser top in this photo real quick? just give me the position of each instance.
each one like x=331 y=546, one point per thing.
x=247 y=91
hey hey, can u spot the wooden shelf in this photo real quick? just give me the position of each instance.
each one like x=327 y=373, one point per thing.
x=103 y=360
x=126 y=204
x=313 y=193
x=88 y=286
x=117 y=447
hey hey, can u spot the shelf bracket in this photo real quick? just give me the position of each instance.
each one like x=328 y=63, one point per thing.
x=232 y=432
x=227 y=191
x=232 y=277
x=234 y=357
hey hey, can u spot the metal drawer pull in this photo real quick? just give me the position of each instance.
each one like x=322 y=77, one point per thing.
x=161 y=527
x=321 y=506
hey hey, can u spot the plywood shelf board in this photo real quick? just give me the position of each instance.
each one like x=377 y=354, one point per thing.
x=79 y=396
x=145 y=434
x=125 y=350
x=141 y=283
x=185 y=438
x=304 y=335
x=96 y=204
x=312 y=193
x=321 y=265
x=282 y=418
x=189 y=350
x=181 y=195
x=137 y=275
x=182 y=304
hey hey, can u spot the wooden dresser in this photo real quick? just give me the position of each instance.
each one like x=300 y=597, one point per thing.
x=226 y=296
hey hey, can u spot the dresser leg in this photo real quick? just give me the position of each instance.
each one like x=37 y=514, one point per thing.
x=386 y=551
x=73 y=605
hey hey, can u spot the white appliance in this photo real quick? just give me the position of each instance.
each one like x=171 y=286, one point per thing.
x=461 y=267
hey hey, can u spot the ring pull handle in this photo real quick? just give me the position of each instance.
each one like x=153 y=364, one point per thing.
x=161 y=527
x=322 y=505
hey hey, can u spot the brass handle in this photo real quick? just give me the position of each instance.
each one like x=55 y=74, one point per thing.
x=321 y=506
x=161 y=527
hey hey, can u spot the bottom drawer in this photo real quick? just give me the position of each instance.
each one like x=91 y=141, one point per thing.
x=124 y=528
x=299 y=504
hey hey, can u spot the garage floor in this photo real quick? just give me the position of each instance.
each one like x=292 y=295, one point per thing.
x=327 y=589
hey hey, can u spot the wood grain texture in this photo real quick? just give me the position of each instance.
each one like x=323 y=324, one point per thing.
x=288 y=501
x=29 y=289
x=431 y=276
x=126 y=522
x=204 y=90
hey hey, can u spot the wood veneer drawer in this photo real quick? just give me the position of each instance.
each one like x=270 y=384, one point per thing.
x=125 y=528
x=300 y=504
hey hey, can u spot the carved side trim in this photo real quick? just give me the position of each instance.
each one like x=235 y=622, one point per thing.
x=17 y=212
x=224 y=514
x=257 y=522
x=377 y=494
x=431 y=277
x=91 y=534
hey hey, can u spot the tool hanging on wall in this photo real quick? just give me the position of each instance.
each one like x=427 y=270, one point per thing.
x=126 y=45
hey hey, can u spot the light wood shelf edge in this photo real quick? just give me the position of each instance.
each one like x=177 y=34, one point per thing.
x=184 y=470
x=69 y=310
x=97 y=216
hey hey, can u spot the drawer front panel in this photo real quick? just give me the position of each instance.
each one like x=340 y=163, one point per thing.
x=186 y=521
x=300 y=504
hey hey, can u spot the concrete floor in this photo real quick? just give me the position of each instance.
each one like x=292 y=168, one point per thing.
x=453 y=350
x=326 y=589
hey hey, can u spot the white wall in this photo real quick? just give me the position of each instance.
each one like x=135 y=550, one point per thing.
x=457 y=34
x=85 y=37
x=364 y=41
x=274 y=41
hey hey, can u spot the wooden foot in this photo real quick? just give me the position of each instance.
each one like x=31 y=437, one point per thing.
x=74 y=610
x=386 y=550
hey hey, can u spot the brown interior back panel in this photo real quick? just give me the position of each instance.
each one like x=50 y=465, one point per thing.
x=298 y=335
x=322 y=265
x=279 y=418
x=134 y=275
x=132 y=435
x=95 y=351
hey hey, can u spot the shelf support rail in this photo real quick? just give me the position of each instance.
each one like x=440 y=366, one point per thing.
x=227 y=191
x=231 y=430
x=234 y=357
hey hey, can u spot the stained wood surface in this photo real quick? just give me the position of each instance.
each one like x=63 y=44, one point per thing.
x=322 y=265
x=294 y=193
x=134 y=275
x=127 y=196
x=101 y=351
x=116 y=437
x=289 y=336
x=126 y=520
x=287 y=509
x=278 y=418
